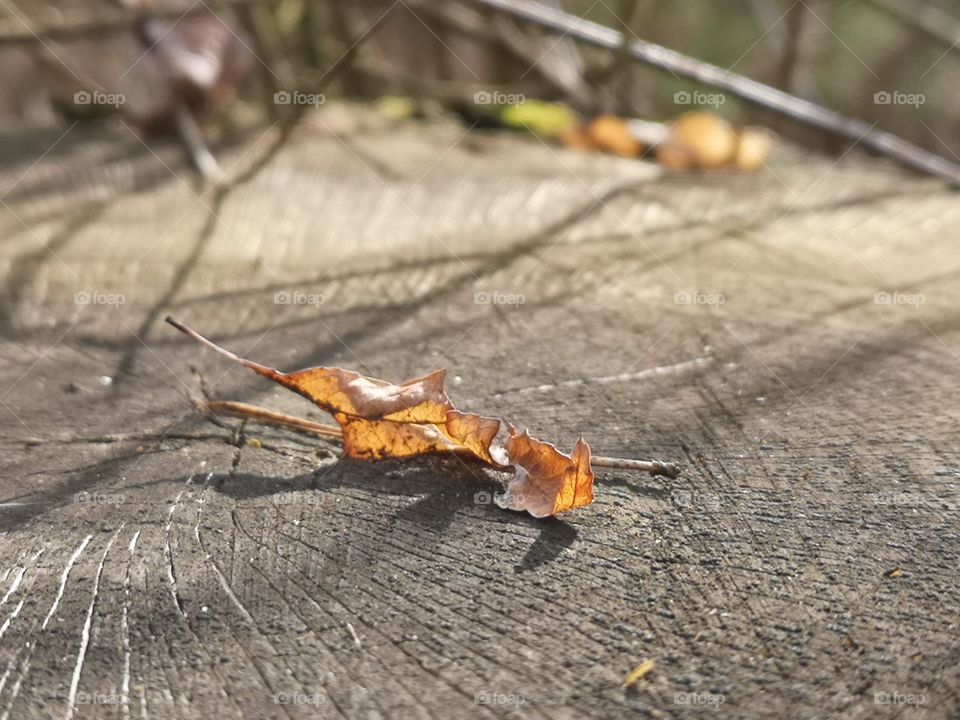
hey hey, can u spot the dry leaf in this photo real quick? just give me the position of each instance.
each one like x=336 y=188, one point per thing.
x=374 y=439
x=381 y=420
x=546 y=481
x=474 y=432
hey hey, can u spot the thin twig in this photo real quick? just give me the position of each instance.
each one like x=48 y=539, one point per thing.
x=190 y=332
x=270 y=417
x=746 y=89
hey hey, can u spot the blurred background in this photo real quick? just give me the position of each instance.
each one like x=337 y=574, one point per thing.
x=236 y=63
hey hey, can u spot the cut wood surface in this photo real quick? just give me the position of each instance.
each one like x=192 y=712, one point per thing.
x=790 y=337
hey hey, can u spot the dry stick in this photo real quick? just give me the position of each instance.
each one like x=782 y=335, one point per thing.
x=253 y=412
x=190 y=332
x=749 y=90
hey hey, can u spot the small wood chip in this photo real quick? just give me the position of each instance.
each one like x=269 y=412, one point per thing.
x=356 y=638
x=639 y=671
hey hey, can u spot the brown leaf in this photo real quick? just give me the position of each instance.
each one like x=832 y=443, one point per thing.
x=381 y=439
x=474 y=432
x=382 y=420
x=546 y=481
x=422 y=400
x=373 y=439
x=379 y=419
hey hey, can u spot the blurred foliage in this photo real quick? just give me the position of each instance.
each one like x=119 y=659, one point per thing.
x=839 y=53
x=438 y=55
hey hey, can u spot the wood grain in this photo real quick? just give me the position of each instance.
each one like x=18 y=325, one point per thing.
x=155 y=565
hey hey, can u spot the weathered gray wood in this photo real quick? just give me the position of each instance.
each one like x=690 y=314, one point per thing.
x=805 y=561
